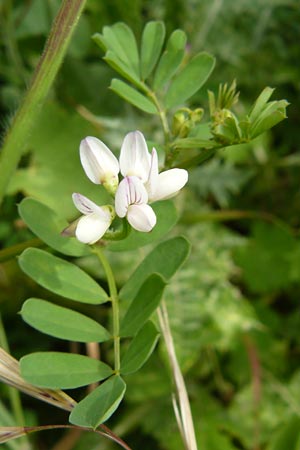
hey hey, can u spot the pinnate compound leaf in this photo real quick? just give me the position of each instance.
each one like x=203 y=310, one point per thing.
x=190 y=79
x=143 y=305
x=170 y=60
x=100 y=404
x=62 y=322
x=152 y=41
x=140 y=349
x=165 y=259
x=61 y=277
x=47 y=225
x=132 y=96
x=58 y=370
x=166 y=216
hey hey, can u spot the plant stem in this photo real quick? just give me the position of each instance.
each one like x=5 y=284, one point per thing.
x=43 y=78
x=162 y=115
x=113 y=292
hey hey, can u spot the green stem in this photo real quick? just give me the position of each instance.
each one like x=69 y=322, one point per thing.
x=113 y=292
x=162 y=115
x=43 y=78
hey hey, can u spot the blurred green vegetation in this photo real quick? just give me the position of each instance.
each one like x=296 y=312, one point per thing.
x=234 y=306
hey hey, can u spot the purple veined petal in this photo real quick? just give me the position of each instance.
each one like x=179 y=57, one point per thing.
x=141 y=217
x=91 y=228
x=130 y=191
x=86 y=206
x=98 y=162
x=134 y=156
x=152 y=181
x=169 y=183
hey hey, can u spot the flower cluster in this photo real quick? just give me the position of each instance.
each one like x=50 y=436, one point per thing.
x=141 y=184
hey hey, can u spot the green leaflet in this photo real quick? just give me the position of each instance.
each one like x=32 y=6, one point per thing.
x=190 y=79
x=152 y=41
x=165 y=259
x=120 y=39
x=170 y=60
x=260 y=103
x=143 y=305
x=140 y=349
x=57 y=370
x=61 y=277
x=98 y=406
x=62 y=322
x=132 y=96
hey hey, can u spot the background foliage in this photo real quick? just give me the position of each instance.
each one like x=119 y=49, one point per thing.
x=234 y=306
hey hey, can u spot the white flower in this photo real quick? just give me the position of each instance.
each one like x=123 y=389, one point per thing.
x=134 y=156
x=95 y=220
x=131 y=201
x=161 y=186
x=143 y=183
x=99 y=163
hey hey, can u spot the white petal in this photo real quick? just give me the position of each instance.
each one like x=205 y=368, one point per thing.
x=152 y=181
x=134 y=156
x=169 y=183
x=91 y=228
x=130 y=191
x=86 y=206
x=141 y=217
x=98 y=162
